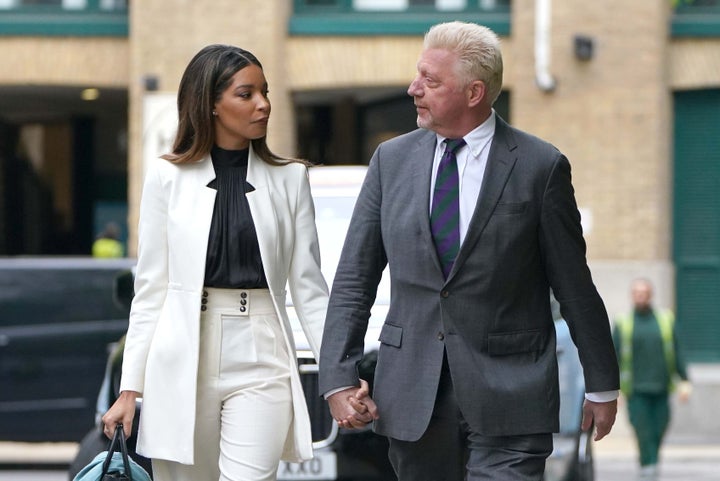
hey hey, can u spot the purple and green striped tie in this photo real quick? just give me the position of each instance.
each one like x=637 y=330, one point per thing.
x=445 y=211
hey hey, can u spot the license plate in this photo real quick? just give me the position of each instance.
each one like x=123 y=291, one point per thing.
x=322 y=467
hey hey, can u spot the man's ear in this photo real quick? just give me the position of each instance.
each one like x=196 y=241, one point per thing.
x=476 y=91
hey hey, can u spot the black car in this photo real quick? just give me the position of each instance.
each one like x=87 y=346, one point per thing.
x=57 y=318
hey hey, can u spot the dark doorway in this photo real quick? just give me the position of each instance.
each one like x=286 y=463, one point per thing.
x=63 y=166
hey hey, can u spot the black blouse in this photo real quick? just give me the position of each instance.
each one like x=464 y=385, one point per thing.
x=233 y=255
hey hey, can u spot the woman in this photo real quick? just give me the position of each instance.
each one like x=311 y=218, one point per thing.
x=225 y=225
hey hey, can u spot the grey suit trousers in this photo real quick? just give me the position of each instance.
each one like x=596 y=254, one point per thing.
x=450 y=451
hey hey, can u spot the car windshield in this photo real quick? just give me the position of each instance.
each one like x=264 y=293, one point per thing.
x=333 y=210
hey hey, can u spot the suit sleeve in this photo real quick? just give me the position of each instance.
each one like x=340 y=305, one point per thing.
x=354 y=288
x=564 y=250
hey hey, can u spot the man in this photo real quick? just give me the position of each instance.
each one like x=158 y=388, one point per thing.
x=466 y=378
x=646 y=347
x=107 y=243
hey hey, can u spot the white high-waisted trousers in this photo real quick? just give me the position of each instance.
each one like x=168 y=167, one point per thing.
x=244 y=403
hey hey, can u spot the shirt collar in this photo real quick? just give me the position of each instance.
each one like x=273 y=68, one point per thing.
x=477 y=138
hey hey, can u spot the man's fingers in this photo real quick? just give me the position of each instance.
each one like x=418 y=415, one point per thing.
x=363 y=395
x=358 y=405
x=351 y=411
x=602 y=415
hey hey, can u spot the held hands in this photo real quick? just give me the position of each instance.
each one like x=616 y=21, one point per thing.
x=121 y=412
x=353 y=407
x=600 y=414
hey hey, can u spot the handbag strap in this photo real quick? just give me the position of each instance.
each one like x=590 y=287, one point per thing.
x=117 y=443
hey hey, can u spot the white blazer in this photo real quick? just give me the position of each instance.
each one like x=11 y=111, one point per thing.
x=161 y=348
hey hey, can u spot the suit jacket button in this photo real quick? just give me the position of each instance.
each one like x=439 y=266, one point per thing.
x=203 y=308
x=445 y=294
x=441 y=336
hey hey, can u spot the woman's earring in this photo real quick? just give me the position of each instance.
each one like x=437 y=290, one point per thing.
x=215 y=113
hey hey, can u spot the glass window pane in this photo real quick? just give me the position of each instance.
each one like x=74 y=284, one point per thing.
x=375 y=5
x=450 y=4
x=487 y=4
x=74 y=4
x=113 y=4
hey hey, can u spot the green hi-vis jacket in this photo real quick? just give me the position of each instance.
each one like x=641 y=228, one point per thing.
x=625 y=326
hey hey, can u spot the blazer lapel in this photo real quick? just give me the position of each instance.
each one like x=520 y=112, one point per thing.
x=263 y=214
x=421 y=157
x=200 y=203
x=500 y=163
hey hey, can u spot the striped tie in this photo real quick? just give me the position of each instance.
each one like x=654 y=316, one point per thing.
x=445 y=211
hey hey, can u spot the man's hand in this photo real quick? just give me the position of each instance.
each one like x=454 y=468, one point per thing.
x=600 y=414
x=353 y=407
x=684 y=391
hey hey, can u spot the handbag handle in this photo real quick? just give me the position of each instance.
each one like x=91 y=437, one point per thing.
x=117 y=443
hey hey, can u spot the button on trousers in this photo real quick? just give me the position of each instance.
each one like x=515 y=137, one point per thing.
x=244 y=402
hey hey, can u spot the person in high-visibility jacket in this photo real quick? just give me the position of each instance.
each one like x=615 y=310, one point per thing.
x=107 y=243
x=650 y=361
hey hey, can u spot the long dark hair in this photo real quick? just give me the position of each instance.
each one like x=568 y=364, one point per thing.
x=206 y=77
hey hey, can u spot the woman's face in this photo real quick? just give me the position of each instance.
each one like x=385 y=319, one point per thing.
x=243 y=110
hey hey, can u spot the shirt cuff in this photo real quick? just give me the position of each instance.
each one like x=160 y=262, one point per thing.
x=602 y=396
x=336 y=390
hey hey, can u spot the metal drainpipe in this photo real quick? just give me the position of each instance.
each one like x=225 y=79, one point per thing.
x=544 y=79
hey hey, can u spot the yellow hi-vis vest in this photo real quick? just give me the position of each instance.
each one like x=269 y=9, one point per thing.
x=626 y=323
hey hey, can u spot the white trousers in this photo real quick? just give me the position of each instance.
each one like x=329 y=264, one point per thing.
x=244 y=402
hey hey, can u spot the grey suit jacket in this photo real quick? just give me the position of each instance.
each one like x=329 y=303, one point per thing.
x=492 y=315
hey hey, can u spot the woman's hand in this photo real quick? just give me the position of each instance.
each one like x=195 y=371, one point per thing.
x=121 y=412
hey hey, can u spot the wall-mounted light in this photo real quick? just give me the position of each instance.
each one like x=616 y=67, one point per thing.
x=584 y=47
x=90 y=94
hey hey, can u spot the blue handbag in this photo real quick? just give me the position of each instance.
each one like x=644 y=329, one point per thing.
x=113 y=464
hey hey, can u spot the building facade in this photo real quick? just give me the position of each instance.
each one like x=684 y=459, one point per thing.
x=629 y=91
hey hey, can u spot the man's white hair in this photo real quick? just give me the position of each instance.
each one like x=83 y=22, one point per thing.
x=478 y=50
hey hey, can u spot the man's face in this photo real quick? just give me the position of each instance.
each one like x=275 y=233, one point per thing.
x=439 y=93
x=641 y=295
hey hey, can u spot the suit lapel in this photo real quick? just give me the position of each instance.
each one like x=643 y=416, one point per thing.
x=203 y=203
x=263 y=213
x=500 y=163
x=421 y=159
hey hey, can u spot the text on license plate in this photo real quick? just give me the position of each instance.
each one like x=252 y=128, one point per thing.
x=322 y=467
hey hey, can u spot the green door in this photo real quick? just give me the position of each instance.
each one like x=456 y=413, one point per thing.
x=696 y=222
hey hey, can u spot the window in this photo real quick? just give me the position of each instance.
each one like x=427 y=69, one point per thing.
x=64 y=17
x=696 y=18
x=393 y=17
